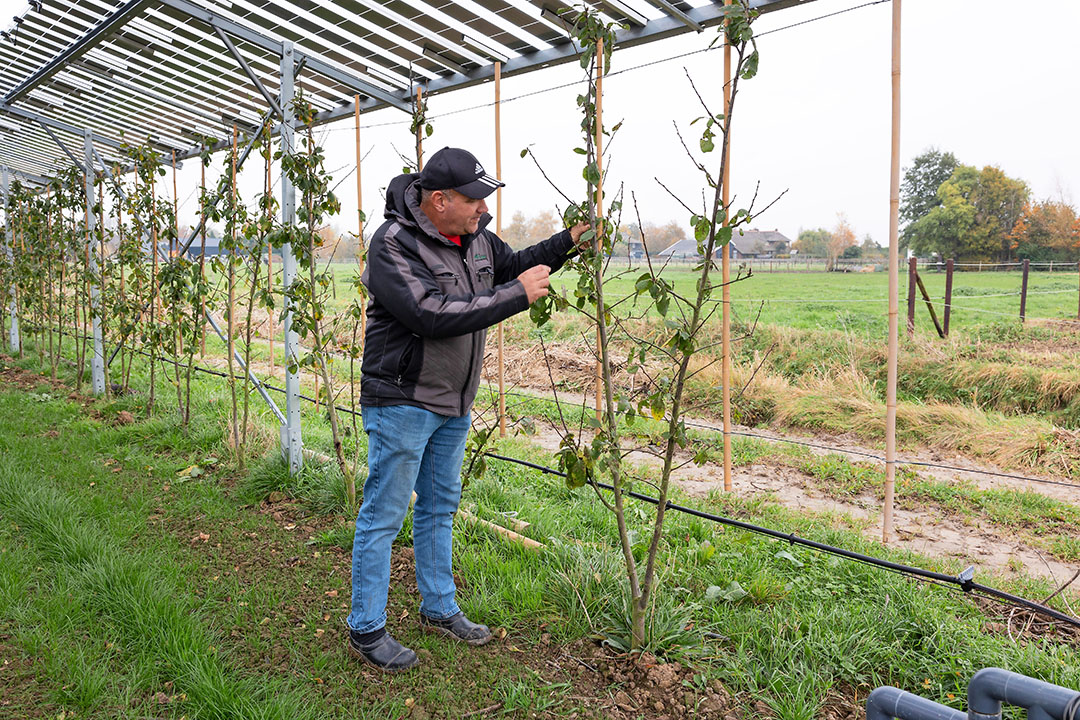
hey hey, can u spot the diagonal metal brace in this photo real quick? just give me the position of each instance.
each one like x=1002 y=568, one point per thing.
x=62 y=146
x=248 y=71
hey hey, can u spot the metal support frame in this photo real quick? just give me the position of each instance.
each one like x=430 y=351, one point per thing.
x=62 y=146
x=97 y=361
x=13 y=332
x=292 y=447
x=247 y=70
x=256 y=38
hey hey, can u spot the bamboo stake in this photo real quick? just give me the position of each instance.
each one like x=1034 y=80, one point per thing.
x=176 y=210
x=599 y=204
x=725 y=330
x=419 y=135
x=894 y=284
x=498 y=231
x=231 y=338
x=360 y=222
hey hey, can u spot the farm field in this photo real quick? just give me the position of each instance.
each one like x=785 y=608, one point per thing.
x=229 y=594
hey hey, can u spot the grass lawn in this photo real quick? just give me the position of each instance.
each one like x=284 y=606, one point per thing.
x=132 y=587
x=852 y=301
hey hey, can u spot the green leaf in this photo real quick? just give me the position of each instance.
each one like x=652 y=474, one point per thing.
x=785 y=555
x=732 y=593
x=751 y=67
x=591 y=173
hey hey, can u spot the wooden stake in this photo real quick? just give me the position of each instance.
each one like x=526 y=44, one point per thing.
x=419 y=135
x=173 y=244
x=913 y=271
x=929 y=304
x=360 y=222
x=599 y=204
x=1023 y=290
x=725 y=265
x=894 y=285
x=498 y=231
x=948 y=295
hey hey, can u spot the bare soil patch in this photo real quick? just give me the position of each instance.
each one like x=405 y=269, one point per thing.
x=922 y=528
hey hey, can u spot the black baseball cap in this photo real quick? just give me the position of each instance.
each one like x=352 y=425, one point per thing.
x=457 y=169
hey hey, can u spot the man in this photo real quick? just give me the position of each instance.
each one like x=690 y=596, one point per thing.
x=437 y=279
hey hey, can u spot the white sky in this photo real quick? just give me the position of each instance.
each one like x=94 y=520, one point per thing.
x=981 y=78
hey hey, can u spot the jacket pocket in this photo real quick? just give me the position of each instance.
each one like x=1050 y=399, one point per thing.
x=406 y=358
x=448 y=283
x=486 y=277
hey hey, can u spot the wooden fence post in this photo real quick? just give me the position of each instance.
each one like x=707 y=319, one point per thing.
x=1023 y=289
x=948 y=294
x=913 y=265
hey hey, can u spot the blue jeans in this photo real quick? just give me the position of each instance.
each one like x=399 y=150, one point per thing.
x=409 y=449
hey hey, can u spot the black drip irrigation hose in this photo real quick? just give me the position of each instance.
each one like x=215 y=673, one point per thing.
x=964 y=581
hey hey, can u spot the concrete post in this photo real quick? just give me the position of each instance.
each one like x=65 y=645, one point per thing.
x=13 y=310
x=97 y=361
x=291 y=441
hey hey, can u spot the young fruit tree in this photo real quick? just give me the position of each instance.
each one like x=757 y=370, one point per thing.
x=662 y=349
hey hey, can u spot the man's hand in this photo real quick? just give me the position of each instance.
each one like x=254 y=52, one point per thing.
x=536 y=281
x=576 y=233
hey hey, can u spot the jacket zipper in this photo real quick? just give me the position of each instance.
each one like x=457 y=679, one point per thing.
x=472 y=336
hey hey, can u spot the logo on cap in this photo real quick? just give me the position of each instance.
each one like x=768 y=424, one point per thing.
x=479 y=169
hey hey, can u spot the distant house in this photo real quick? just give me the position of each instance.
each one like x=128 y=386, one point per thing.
x=635 y=249
x=759 y=244
x=744 y=245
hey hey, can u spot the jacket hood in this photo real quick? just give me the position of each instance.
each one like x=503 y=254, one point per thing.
x=403 y=205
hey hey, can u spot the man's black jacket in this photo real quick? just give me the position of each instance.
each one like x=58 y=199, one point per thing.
x=431 y=303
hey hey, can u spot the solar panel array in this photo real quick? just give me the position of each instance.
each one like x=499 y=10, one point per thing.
x=178 y=73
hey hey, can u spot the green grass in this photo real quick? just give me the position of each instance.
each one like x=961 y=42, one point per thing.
x=107 y=578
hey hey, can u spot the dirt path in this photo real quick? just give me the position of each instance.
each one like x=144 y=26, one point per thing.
x=928 y=530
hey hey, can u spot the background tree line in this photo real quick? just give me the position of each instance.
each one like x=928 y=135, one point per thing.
x=958 y=211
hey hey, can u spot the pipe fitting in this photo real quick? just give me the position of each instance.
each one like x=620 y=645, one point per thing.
x=991 y=687
x=888 y=703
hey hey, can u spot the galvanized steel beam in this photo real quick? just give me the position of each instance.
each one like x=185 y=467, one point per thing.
x=292 y=446
x=97 y=361
x=13 y=307
x=247 y=70
x=79 y=48
x=317 y=65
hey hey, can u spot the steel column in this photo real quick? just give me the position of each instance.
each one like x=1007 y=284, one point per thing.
x=291 y=442
x=13 y=333
x=97 y=362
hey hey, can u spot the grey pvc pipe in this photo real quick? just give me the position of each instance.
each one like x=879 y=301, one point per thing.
x=887 y=703
x=993 y=686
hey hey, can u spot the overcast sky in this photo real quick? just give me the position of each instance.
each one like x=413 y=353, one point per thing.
x=992 y=83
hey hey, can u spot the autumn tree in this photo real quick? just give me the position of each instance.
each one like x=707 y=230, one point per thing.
x=976 y=217
x=840 y=239
x=1047 y=231
x=524 y=231
x=657 y=237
